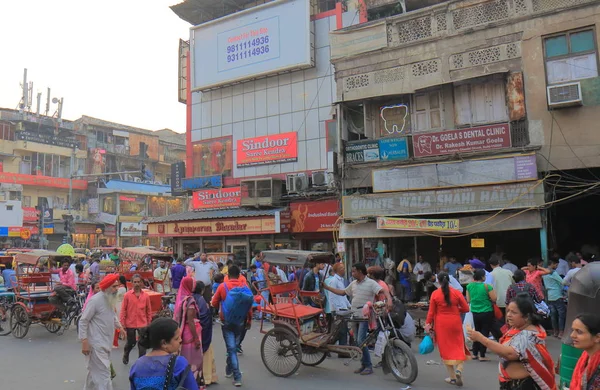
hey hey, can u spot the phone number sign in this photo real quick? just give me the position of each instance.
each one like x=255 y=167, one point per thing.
x=249 y=44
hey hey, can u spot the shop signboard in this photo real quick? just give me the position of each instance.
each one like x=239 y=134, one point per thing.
x=132 y=229
x=419 y=225
x=474 y=139
x=194 y=183
x=48 y=216
x=14 y=231
x=54 y=140
x=41 y=181
x=383 y=149
x=93 y=205
x=177 y=177
x=222 y=198
x=456 y=174
x=314 y=216
x=107 y=218
x=30 y=214
x=477 y=243
x=49 y=229
x=219 y=227
x=443 y=201
x=270 y=149
x=362 y=151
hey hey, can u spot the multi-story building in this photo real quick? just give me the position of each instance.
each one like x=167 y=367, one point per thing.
x=38 y=154
x=448 y=111
x=261 y=127
x=129 y=171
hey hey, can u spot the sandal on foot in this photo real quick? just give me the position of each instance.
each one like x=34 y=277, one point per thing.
x=484 y=359
x=359 y=370
x=459 y=381
x=450 y=381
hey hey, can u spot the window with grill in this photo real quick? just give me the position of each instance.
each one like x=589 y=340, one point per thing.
x=571 y=56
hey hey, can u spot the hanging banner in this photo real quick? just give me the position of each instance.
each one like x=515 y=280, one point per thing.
x=475 y=139
x=30 y=214
x=222 y=198
x=419 y=225
x=177 y=177
x=270 y=149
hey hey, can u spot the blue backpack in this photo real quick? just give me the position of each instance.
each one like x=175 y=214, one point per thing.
x=237 y=304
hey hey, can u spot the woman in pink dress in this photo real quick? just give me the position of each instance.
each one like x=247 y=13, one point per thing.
x=186 y=314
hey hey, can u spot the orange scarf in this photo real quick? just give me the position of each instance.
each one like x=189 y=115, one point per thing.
x=585 y=365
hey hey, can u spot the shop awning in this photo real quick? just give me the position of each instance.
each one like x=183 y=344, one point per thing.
x=214 y=214
x=141 y=188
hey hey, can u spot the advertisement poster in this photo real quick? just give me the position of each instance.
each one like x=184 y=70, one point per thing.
x=30 y=214
x=419 y=225
x=213 y=157
x=362 y=151
x=475 y=139
x=314 y=216
x=132 y=229
x=270 y=149
x=261 y=40
x=222 y=198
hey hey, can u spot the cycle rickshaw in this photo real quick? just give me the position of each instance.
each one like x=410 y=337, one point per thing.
x=300 y=334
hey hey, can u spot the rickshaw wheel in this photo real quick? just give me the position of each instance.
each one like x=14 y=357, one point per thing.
x=312 y=356
x=281 y=352
x=51 y=326
x=5 y=322
x=19 y=321
x=401 y=361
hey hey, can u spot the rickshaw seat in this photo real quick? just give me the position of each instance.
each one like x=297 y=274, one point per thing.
x=292 y=310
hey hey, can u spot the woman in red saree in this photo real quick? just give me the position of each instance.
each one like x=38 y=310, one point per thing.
x=586 y=336
x=525 y=363
x=445 y=306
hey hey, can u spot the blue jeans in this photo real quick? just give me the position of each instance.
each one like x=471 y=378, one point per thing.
x=232 y=335
x=360 y=331
x=558 y=314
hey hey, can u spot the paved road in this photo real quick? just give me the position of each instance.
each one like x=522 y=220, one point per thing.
x=46 y=361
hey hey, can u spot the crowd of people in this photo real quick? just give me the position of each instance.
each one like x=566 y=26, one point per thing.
x=502 y=311
x=505 y=306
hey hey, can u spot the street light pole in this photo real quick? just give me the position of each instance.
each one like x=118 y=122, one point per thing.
x=69 y=207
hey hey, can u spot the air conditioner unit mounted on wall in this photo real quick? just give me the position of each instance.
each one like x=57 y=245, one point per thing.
x=297 y=183
x=564 y=95
x=260 y=192
x=320 y=179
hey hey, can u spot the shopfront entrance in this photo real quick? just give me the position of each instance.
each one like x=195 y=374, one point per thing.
x=239 y=249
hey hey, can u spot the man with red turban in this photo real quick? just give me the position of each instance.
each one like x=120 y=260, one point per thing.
x=96 y=331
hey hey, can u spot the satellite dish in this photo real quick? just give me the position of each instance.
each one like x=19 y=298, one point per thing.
x=54 y=100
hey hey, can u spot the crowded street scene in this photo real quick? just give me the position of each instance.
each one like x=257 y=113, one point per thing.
x=339 y=194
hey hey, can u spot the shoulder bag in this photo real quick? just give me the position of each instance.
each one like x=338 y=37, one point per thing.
x=497 y=311
x=169 y=376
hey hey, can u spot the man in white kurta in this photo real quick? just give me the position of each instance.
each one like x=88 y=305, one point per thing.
x=96 y=330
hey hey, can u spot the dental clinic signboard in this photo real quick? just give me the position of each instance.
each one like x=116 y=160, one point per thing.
x=474 y=139
x=269 y=149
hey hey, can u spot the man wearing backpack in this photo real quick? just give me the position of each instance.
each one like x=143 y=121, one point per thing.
x=235 y=301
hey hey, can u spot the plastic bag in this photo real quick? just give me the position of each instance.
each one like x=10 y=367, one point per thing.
x=380 y=344
x=426 y=345
x=468 y=323
x=543 y=309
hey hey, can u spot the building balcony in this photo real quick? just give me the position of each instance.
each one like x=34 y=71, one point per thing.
x=451 y=18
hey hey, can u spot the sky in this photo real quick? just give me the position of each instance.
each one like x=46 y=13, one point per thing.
x=112 y=59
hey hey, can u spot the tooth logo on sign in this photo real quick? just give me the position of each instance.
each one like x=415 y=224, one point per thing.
x=394 y=118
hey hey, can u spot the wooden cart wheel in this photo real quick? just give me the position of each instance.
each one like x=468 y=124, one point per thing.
x=281 y=352
x=19 y=321
x=312 y=356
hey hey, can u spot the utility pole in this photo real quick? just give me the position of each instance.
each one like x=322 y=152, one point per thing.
x=69 y=205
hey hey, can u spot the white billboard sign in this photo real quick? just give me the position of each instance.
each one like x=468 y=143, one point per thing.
x=271 y=38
